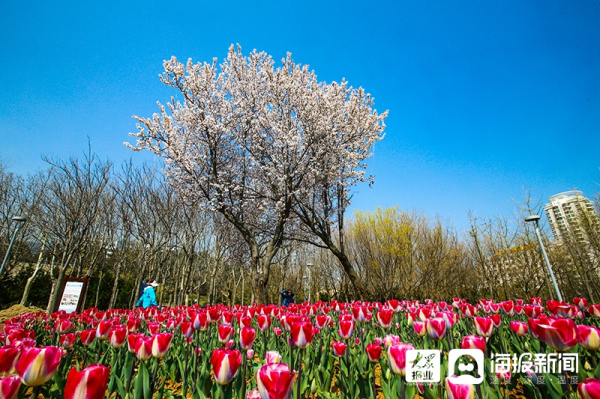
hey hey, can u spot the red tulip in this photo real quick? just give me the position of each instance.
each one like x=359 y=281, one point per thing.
x=459 y=391
x=519 y=328
x=589 y=337
x=213 y=315
x=160 y=344
x=133 y=324
x=245 y=322
x=484 y=326
x=63 y=326
x=339 y=348
x=275 y=381
x=277 y=331
x=384 y=317
x=589 y=389
x=302 y=334
x=89 y=383
x=227 y=317
x=436 y=328
x=559 y=334
x=496 y=319
x=473 y=342
x=36 y=366
x=273 y=357
x=225 y=364
x=67 y=340
x=153 y=327
x=467 y=310
x=419 y=327
x=201 y=321
x=117 y=335
x=9 y=387
x=187 y=329
x=9 y=355
x=103 y=329
x=397 y=357
x=581 y=303
x=87 y=336
x=360 y=313
x=594 y=310
x=508 y=307
x=247 y=336
x=143 y=348
x=225 y=331
x=264 y=322
x=131 y=341
x=346 y=329
x=373 y=352
x=533 y=312
x=321 y=321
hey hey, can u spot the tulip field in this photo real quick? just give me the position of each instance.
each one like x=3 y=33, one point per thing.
x=320 y=350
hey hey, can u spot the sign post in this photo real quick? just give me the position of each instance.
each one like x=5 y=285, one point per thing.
x=73 y=291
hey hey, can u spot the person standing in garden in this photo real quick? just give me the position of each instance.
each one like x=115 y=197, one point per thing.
x=148 y=298
x=287 y=298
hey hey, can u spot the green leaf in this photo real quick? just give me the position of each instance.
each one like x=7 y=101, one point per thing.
x=597 y=372
x=121 y=387
x=553 y=385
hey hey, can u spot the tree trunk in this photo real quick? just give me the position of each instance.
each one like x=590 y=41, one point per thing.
x=54 y=296
x=98 y=289
x=115 y=290
x=38 y=265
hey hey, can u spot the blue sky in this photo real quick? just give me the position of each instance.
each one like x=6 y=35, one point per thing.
x=486 y=98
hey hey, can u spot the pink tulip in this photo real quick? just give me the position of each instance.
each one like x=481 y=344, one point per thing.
x=89 y=383
x=253 y=394
x=397 y=357
x=277 y=331
x=225 y=363
x=589 y=337
x=36 y=366
x=346 y=329
x=519 y=328
x=459 y=391
x=339 y=348
x=581 y=303
x=9 y=387
x=273 y=357
x=302 y=334
x=436 y=328
x=589 y=389
x=143 y=348
x=419 y=327
x=9 y=355
x=594 y=310
x=226 y=331
x=275 y=381
x=484 y=326
x=187 y=329
x=373 y=352
x=559 y=334
x=103 y=329
x=63 y=326
x=247 y=336
x=200 y=321
x=133 y=324
x=87 y=336
x=473 y=342
x=117 y=336
x=264 y=322
x=384 y=317
x=160 y=344
x=67 y=340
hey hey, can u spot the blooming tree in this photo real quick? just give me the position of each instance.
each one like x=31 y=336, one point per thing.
x=253 y=141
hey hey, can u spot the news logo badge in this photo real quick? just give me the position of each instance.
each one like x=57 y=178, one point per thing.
x=423 y=365
x=462 y=360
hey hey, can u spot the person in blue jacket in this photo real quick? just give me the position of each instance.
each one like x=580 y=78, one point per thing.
x=287 y=297
x=148 y=298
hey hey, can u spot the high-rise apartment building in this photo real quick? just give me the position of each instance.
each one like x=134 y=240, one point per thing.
x=570 y=213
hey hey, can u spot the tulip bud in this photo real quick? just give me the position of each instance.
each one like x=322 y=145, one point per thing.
x=339 y=348
x=250 y=354
x=397 y=357
x=117 y=336
x=9 y=355
x=302 y=334
x=589 y=337
x=247 y=336
x=484 y=326
x=9 y=387
x=89 y=383
x=519 y=328
x=87 y=336
x=273 y=357
x=225 y=363
x=436 y=328
x=589 y=389
x=160 y=344
x=473 y=342
x=253 y=394
x=373 y=352
x=346 y=329
x=67 y=340
x=36 y=366
x=459 y=391
x=275 y=381
x=225 y=333
x=143 y=348
x=277 y=331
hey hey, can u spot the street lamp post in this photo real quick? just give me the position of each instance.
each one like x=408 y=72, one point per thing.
x=309 y=266
x=20 y=223
x=535 y=219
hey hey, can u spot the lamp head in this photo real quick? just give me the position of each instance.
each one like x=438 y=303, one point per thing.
x=532 y=218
